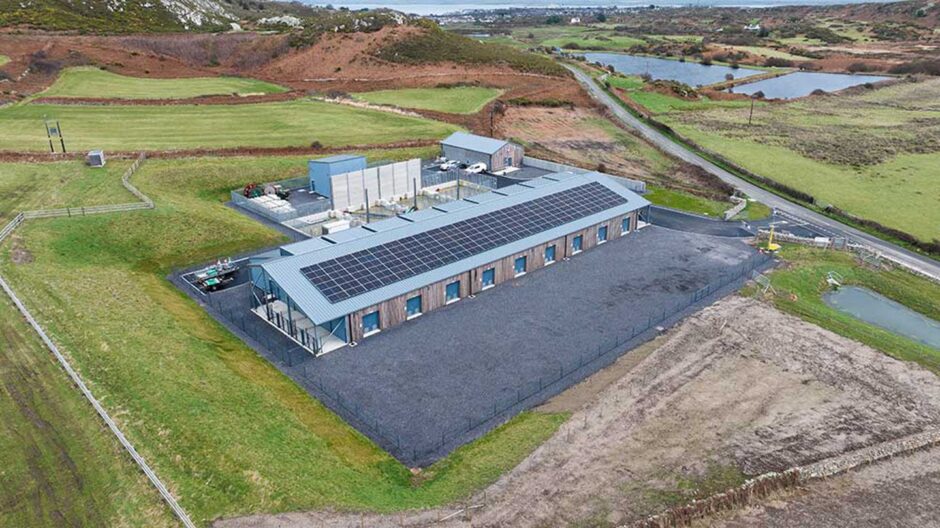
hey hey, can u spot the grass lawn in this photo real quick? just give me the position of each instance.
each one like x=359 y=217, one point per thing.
x=685 y=201
x=4 y=59
x=95 y=82
x=27 y=186
x=281 y=124
x=226 y=429
x=57 y=460
x=455 y=100
x=658 y=103
x=873 y=154
x=801 y=284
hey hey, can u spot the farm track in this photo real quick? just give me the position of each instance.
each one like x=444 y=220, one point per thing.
x=909 y=259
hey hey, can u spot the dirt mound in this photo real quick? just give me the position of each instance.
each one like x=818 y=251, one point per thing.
x=740 y=387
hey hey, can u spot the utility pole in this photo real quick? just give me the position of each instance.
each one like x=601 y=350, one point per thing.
x=751 y=114
x=368 y=220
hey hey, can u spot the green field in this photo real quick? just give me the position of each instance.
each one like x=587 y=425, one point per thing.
x=586 y=37
x=28 y=186
x=800 y=286
x=453 y=100
x=281 y=124
x=57 y=460
x=600 y=41
x=874 y=155
x=94 y=82
x=685 y=201
x=658 y=103
x=228 y=432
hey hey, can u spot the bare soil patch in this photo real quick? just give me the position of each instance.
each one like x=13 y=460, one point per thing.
x=586 y=138
x=739 y=386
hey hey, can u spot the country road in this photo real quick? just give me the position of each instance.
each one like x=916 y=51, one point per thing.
x=824 y=224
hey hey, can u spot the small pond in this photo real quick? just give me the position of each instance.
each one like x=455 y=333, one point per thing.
x=801 y=84
x=691 y=73
x=880 y=311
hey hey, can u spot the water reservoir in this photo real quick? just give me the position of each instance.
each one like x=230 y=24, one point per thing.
x=691 y=73
x=801 y=84
x=880 y=311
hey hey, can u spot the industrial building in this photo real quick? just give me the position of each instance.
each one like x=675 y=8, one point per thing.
x=329 y=291
x=498 y=155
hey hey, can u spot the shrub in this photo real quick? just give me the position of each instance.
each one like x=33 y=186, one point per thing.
x=729 y=76
x=857 y=67
x=777 y=62
x=924 y=66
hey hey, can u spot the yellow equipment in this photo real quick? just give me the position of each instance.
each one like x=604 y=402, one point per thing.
x=772 y=246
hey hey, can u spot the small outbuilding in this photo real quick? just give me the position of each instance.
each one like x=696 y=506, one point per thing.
x=95 y=158
x=320 y=170
x=497 y=154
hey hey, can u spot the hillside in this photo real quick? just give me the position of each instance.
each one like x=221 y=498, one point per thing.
x=116 y=16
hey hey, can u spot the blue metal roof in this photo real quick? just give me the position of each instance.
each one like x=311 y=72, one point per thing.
x=474 y=142
x=286 y=271
x=337 y=158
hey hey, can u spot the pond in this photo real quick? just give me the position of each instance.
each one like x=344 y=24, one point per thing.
x=691 y=73
x=801 y=84
x=880 y=311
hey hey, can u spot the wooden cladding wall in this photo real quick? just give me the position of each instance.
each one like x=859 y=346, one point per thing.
x=393 y=312
x=509 y=150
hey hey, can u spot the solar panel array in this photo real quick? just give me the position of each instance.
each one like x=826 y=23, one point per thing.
x=351 y=275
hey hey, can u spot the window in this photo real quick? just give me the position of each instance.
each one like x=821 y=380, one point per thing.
x=601 y=234
x=452 y=292
x=549 y=255
x=519 y=266
x=625 y=226
x=370 y=323
x=576 y=244
x=489 y=278
x=413 y=306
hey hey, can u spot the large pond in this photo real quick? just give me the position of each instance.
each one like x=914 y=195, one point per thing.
x=801 y=84
x=691 y=73
x=880 y=311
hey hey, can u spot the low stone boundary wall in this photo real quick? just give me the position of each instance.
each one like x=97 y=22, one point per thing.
x=764 y=485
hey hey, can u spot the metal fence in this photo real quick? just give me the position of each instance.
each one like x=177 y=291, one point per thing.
x=430 y=179
x=295 y=212
x=522 y=396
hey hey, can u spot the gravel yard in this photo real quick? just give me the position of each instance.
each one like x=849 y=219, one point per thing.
x=440 y=379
